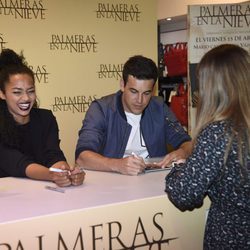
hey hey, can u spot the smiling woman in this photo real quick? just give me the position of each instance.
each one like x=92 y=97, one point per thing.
x=29 y=141
x=20 y=96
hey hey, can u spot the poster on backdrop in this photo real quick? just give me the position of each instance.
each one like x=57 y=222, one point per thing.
x=212 y=25
x=77 y=50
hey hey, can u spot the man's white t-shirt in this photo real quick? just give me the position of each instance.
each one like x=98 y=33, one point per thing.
x=136 y=144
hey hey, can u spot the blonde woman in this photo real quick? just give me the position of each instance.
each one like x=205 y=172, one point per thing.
x=219 y=166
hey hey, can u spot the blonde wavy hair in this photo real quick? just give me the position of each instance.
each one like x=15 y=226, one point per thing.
x=224 y=91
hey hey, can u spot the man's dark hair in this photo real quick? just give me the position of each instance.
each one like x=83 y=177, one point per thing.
x=140 y=67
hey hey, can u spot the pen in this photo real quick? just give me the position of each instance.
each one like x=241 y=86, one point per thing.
x=58 y=170
x=57 y=189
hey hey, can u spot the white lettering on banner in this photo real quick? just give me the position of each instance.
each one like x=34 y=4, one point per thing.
x=22 y=9
x=74 y=43
x=110 y=71
x=115 y=237
x=118 y=12
x=235 y=16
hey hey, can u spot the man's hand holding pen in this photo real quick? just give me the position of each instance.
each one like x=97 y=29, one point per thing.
x=130 y=165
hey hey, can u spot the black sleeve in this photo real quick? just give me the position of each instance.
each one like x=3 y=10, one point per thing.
x=51 y=142
x=13 y=162
x=43 y=135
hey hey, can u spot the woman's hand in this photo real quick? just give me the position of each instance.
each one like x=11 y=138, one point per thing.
x=77 y=176
x=62 y=179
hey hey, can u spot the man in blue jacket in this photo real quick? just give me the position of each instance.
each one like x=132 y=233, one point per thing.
x=121 y=130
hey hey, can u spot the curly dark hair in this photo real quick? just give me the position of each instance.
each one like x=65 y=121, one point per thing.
x=10 y=64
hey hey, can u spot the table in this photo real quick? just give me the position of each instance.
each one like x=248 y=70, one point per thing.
x=109 y=211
